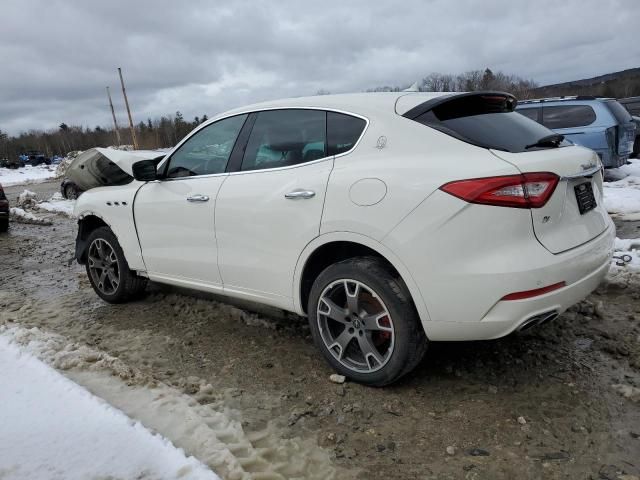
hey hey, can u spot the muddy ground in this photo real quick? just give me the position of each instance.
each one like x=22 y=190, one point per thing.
x=554 y=403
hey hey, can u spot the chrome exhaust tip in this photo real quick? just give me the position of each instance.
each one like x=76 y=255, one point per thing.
x=536 y=320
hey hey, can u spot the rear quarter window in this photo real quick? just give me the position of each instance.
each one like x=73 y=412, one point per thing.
x=567 y=116
x=343 y=132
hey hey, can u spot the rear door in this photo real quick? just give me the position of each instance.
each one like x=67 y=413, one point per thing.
x=575 y=212
x=270 y=208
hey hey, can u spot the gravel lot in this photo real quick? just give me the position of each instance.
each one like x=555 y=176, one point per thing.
x=558 y=402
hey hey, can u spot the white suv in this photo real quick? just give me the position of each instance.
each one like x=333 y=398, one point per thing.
x=387 y=219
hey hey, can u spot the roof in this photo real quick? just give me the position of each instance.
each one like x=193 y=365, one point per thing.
x=360 y=103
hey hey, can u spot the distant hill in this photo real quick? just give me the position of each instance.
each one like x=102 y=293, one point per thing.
x=618 y=84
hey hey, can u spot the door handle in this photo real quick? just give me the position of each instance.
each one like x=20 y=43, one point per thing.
x=296 y=194
x=198 y=198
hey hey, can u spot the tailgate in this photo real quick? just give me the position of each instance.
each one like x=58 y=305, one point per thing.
x=575 y=212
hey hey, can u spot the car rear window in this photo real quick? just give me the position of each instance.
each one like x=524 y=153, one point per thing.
x=619 y=111
x=567 y=116
x=485 y=121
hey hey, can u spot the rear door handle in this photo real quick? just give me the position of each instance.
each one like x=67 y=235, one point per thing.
x=198 y=198
x=296 y=194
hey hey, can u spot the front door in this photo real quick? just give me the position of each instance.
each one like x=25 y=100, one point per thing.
x=269 y=210
x=175 y=216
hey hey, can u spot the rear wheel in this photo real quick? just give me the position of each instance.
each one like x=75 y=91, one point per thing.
x=4 y=225
x=108 y=270
x=636 y=148
x=70 y=192
x=363 y=321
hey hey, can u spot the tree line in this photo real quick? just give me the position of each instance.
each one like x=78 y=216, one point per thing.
x=161 y=132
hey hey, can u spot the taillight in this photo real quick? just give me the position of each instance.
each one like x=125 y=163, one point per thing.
x=528 y=190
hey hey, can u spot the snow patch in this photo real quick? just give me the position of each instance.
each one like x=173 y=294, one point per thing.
x=622 y=195
x=53 y=428
x=22 y=216
x=625 y=274
x=26 y=175
x=58 y=204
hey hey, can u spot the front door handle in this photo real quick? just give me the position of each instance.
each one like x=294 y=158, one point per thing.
x=198 y=198
x=296 y=194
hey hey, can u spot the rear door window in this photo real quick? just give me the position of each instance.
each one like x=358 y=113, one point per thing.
x=343 y=132
x=567 y=116
x=485 y=121
x=282 y=138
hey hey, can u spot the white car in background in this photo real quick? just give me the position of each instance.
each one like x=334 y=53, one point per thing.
x=387 y=219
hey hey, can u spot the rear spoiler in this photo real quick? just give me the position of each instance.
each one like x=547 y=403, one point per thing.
x=509 y=101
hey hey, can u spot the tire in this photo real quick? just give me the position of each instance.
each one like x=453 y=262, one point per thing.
x=70 y=192
x=4 y=225
x=105 y=263
x=636 y=148
x=396 y=334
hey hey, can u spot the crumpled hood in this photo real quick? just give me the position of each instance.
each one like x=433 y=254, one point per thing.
x=100 y=167
x=126 y=158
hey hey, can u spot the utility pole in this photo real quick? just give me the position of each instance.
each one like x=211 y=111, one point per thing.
x=126 y=102
x=113 y=113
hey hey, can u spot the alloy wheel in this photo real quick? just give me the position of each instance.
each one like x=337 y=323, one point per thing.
x=355 y=325
x=103 y=266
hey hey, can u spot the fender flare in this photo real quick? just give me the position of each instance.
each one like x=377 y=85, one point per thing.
x=371 y=243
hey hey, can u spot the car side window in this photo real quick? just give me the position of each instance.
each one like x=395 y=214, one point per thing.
x=281 y=138
x=343 y=131
x=208 y=151
x=532 y=113
x=568 y=116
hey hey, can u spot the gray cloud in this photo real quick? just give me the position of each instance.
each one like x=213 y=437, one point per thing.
x=204 y=57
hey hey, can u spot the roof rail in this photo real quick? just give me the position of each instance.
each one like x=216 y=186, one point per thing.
x=562 y=98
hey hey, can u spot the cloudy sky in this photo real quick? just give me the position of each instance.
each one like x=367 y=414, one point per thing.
x=199 y=57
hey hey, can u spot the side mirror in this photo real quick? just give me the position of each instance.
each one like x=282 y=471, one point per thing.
x=145 y=170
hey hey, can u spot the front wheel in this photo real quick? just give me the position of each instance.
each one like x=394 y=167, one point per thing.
x=363 y=321
x=108 y=270
x=70 y=192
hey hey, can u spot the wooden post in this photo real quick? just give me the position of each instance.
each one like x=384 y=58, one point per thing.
x=126 y=102
x=115 y=122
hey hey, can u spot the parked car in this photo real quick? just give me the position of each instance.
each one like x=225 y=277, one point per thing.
x=4 y=211
x=388 y=219
x=35 y=158
x=601 y=124
x=10 y=163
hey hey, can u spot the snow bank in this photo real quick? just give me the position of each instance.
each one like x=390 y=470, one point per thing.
x=53 y=428
x=22 y=216
x=58 y=204
x=622 y=196
x=26 y=175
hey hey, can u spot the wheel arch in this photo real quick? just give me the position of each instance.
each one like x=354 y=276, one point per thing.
x=332 y=247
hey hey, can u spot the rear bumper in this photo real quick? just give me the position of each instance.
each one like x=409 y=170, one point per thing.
x=464 y=264
x=507 y=316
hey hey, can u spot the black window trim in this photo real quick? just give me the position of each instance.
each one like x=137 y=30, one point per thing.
x=167 y=160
